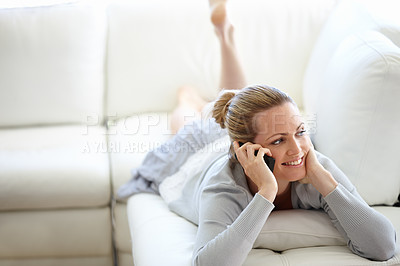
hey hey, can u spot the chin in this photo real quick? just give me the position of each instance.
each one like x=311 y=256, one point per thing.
x=292 y=175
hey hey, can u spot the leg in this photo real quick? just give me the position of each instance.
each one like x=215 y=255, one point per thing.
x=190 y=104
x=189 y=108
x=232 y=75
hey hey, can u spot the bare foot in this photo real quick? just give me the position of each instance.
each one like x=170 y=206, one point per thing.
x=219 y=19
x=218 y=12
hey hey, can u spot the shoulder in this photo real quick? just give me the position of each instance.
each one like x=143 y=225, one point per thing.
x=225 y=181
x=223 y=173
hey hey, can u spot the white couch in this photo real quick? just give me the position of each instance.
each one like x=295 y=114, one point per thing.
x=86 y=90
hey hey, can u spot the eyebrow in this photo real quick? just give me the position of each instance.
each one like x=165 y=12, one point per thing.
x=285 y=134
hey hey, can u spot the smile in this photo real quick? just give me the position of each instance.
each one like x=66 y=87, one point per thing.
x=294 y=163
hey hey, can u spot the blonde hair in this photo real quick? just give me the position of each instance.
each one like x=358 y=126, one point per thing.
x=235 y=109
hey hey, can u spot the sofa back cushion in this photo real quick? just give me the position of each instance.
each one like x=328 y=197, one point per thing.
x=52 y=64
x=154 y=47
x=351 y=87
x=357 y=117
x=348 y=17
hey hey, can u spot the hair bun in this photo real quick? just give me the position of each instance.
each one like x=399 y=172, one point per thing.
x=221 y=106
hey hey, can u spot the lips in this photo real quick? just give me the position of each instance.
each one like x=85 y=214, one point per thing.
x=294 y=163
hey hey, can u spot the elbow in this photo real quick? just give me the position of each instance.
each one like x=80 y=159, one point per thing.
x=382 y=251
x=204 y=258
x=384 y=255
x=195 y=259
x=195 y=262
x=385 y=252
x=389 y=251
x=379 y=254
x=200 y=261
x=198 y=258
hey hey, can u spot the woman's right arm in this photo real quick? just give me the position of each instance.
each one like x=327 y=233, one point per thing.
x=229 y=222
x=229 y=225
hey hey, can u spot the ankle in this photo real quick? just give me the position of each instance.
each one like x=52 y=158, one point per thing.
x=225 y=34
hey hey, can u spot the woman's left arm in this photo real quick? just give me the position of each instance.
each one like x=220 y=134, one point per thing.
x=369 y=234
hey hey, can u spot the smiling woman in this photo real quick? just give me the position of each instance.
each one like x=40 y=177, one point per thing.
x=271 y=120
x=232 y=197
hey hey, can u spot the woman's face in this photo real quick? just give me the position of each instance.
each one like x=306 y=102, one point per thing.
x=282 y=130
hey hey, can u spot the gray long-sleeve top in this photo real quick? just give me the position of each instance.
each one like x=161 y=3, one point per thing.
x=230 y=218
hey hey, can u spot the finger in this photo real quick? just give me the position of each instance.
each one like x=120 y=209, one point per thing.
x=266 y=151
x=311 y=144
x=240 y=151
x=312 y=151
x=235 y=145
x=252 y=148
x=250 y=151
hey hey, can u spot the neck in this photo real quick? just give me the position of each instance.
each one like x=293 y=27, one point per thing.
x=283 y=186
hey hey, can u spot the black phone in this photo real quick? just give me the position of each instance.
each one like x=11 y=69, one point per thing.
x=268 y=159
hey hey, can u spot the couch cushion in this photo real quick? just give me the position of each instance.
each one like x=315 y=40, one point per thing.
x=156 y=230
x=56 y=233
x=331 y=255
x=53 y=167
x=150 y=219
x=312 y=228
x=66 y=261
x=52 y=64
x=121 y=232
x=357 y=115
x=348 y=17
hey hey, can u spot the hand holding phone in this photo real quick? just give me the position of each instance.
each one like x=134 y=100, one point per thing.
x=269 y=161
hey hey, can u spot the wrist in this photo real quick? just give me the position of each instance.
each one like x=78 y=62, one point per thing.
x=316 y=171
x=268 y=193
x=324 y=182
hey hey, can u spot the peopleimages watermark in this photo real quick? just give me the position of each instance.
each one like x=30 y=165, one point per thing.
x=142 y=124
x=145 y=132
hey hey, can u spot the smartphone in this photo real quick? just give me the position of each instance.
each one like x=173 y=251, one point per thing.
x=268 y=159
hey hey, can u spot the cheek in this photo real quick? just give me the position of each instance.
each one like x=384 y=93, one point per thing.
x=279 y=155
x=306 y=144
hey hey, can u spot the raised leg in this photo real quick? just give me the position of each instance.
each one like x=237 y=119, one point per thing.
x=190 y=104
x=232 y=74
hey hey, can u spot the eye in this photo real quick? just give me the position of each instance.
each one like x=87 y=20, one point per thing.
x=301 y=133
x=278 y=141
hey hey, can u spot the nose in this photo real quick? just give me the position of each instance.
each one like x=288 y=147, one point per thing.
x=294 y=147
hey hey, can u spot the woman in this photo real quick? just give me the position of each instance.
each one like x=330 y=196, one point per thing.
x=235 y=197
x=231 y=200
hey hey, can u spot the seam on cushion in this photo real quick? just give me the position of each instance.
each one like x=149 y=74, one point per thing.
x=284 y=260
x=377 y=103
x=298 y=233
